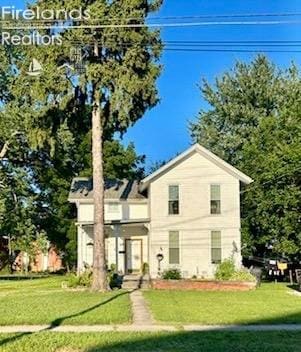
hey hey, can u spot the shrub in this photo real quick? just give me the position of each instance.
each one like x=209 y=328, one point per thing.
x=172 y=274
x=225 y=269
x=82 y=280
x=115 y=281
x=113 y=268
x=145 y=268
x=243 y=275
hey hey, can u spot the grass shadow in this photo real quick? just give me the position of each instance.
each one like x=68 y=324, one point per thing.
x=22 y=278
x=294 y=287
x=59 y=321
x=14 y=338
x=203 y=342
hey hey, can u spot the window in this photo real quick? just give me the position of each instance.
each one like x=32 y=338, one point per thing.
x=216 y=247
x=173 y=202
x=113 y=207
x=215 y=199
x=174 y=247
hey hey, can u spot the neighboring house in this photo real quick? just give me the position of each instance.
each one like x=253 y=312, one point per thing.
x=188 y=211
x=50 y=261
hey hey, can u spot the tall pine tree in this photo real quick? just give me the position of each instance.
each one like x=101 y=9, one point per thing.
x=117 y=87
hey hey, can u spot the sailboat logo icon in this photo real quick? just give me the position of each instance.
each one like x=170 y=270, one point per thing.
x=35 y=68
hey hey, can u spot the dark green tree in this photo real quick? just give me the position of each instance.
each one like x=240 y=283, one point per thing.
x=254 y=124
x=116 y=88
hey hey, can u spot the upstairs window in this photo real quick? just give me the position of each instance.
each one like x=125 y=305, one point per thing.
x=216 y=247
x=215 y=199
x=174 y=247
x=173 y=202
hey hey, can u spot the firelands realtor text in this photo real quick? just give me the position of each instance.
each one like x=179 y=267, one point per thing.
x=10 y=16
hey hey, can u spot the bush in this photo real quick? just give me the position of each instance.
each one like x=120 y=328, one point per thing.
x=225 y=269
x=172 y=274
x=243 y=275
x=145 y=268
x=115 y=281
x=82 y=280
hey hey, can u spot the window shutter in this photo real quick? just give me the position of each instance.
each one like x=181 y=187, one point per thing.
x=216 y=239
x=215 y=192
x=174 y=250
x=216 y=247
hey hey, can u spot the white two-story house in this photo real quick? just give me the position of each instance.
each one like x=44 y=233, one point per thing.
x=187 y=214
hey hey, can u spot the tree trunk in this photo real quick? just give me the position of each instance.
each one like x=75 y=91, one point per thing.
x=99 y=262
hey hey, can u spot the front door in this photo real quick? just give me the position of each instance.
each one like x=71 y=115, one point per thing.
x=133 y=258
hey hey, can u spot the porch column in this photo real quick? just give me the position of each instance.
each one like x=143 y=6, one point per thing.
x=79 y=249
x=116 y=231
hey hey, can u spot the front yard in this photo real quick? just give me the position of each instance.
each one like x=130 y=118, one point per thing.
x=153 y=342
x=43 y=301
x=269 y=304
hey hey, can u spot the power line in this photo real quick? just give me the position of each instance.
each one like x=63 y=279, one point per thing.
x=183 y=47
x=201 y=42
x=234 y=41
x=184 y=44
x=241 y=15
x=154 y=25
x=157 y=18
x=231 y=50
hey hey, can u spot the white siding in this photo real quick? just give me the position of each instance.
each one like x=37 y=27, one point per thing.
x=126 y=211
x=195 y=223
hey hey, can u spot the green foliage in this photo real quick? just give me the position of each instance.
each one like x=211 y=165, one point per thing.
x=254 y=123
x=172 y=274
x=82 y=280
x=145 y=268
x=242 y=275
x=47 y=129
x=225 y=270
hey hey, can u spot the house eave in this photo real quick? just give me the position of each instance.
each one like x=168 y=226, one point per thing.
x=108 y=200
x=115 y=222
x=197 y=148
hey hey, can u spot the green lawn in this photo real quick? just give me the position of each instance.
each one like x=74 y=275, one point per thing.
x=270 y=304
x=152 y=342
x=43 y=301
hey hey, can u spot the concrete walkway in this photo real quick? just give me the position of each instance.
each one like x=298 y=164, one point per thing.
x=141 y=313
x=148 y=328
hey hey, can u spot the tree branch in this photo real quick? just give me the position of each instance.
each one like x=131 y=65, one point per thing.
x=6 y=145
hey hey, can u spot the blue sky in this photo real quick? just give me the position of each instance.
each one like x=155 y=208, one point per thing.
x=163 y=131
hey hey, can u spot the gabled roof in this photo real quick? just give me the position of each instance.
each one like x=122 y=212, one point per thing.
x=197 y=148
x=82 y=189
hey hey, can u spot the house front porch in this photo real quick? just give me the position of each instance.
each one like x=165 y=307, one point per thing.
x=126 y=245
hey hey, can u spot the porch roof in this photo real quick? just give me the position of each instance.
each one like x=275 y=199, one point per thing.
x=115 y=222
x=121 y=190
